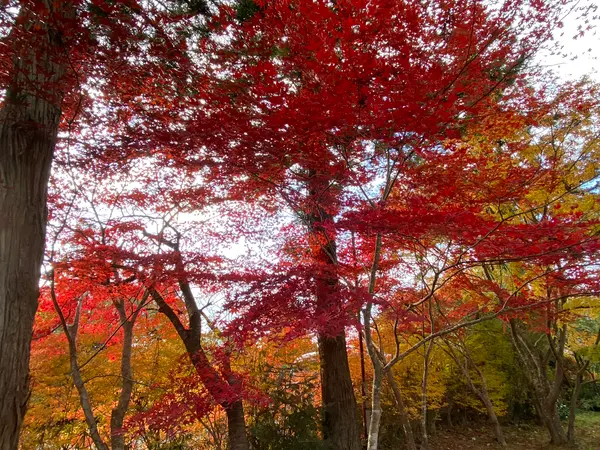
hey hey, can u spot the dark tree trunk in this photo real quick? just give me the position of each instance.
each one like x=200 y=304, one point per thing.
x=340 y=421
x=236 y=425
x=551 y=420
x=449 y=414
x=28 y=130
x=341 y=429
x=493 y=417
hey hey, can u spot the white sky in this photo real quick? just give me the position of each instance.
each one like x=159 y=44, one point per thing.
x=579 y=56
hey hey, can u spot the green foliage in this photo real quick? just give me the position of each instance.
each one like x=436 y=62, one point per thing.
x=492 y=352
x=563 y=410
x=590 y=397
x=291 y=420
x=245 y=10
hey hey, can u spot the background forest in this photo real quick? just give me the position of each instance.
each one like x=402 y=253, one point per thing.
x=297 y=224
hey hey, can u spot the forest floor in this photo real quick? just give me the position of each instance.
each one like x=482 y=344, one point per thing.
x=519 y=437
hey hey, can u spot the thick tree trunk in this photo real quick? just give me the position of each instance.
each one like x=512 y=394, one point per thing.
x=236 y=425
x=340 y=424
x=340 y=421
x=404 y=418
x=28 y=130
x=551 y=420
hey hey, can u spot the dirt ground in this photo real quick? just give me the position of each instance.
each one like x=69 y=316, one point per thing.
x=518 y=437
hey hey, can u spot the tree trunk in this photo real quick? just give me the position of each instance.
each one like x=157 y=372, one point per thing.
x=373 y=436
x=551 y=419
x=573 y=407
x=28 y=133
x=85 y=401
x=404 y=419
x=222 y=390
x=340 y=422
x=236 y=426
x=118 y=413
x=449 y=414
x=582 y=367
x=493 y=417
x=545 y=391
x=363 y=382
x=425 y=437
x=84 y=397
x=481 y=392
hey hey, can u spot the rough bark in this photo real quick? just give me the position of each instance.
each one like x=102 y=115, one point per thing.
x=552 y=422
x=340 y=422
x=28 y=130
x=236 y=426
